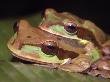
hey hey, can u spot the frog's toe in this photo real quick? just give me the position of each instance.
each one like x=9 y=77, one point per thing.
x=77 y=65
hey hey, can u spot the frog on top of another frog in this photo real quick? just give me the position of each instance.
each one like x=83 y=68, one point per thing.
x=63 y=41
x=68 y=25
x=73 y=27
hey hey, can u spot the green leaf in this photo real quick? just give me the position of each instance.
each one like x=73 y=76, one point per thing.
x=18 y=72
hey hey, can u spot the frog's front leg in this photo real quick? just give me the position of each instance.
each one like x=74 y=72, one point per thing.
x=106 y=48
x=83 y=61
x=78 y=64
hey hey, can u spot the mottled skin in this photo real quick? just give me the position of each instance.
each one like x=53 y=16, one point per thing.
x=51 y=17
x=76 y=52
x=73 y=53
x=86 y=30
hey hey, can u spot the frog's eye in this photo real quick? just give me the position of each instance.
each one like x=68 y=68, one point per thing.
x=71 y=28
x=16 y=26
x=50 y=47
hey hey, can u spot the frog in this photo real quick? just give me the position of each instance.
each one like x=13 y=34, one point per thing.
x=46 y=49
x=73 y=27
x=69 y=25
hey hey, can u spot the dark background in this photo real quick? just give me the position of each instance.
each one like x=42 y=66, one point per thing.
x=95 y=10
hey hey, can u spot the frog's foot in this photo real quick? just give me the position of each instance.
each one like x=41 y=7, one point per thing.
x=100 y=68
x=78 y=64
x=106 y=48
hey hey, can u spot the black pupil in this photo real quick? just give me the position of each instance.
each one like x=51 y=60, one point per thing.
x=50 y=47
x=71 y=27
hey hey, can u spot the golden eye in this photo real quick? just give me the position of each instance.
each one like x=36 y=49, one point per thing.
x=50 y=47
x=71 y=28
x=16 y=26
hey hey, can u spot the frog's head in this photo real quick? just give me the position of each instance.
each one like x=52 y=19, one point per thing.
x=68 y=25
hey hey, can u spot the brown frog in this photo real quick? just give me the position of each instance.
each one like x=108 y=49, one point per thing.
x=62 y=41
x=41 y=47
x=70 y=26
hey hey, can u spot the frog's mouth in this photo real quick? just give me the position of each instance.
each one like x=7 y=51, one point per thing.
x=35 y=54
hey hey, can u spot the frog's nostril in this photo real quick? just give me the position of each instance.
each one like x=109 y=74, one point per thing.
x=28 y=36
x=16 y=26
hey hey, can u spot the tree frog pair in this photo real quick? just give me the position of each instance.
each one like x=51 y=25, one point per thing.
x=62 y=41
